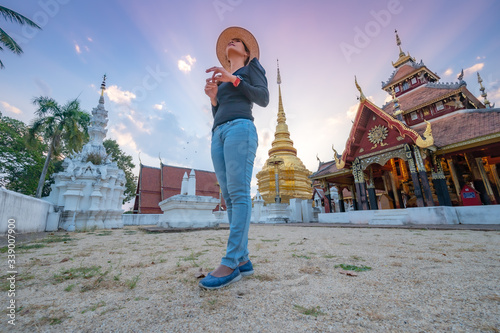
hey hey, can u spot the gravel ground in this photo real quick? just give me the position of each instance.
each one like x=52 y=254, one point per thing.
x=132 y=281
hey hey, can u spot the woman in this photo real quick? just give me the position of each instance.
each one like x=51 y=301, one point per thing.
x=233 y=88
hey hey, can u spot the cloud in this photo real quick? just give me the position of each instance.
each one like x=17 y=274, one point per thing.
x=90 y=39
x=119 y=96
x=159 y=106
x=351 y=112
x=448 y=72
x=10 y=108
x=186 y=63
x=473 y=69
x=77 y=48
x=494 y=95
x=123 y=138
x=387 y=99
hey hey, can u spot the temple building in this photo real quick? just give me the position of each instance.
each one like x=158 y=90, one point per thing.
x=433 y=144
x=157 y=184
x=293 y=177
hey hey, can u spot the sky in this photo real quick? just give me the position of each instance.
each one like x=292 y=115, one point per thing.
x=155 y=53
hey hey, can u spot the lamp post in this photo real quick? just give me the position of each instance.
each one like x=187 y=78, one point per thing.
x=276 y=162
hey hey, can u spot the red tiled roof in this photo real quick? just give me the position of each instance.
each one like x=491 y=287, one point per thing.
x=400 y=73
x=420 y=97
x=462 y=125
x=325 y=168
x=151 y=191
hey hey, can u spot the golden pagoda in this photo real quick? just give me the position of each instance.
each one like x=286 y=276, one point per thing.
x=293 y=176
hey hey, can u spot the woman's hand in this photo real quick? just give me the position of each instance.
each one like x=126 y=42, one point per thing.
x=211 y=89
x=220 y=74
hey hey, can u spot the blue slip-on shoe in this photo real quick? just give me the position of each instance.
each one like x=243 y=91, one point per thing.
x=212 y=282
x=246 y=269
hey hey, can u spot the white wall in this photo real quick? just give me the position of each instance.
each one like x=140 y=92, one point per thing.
x=29 y=214
x=140 y=219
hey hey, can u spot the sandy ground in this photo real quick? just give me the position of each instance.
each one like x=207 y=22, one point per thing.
x=133 y=281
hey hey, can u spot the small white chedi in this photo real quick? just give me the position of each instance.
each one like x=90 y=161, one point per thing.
x=188 y=210
x=89 y=192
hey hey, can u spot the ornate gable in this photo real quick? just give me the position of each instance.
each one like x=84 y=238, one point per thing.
x=375 y=131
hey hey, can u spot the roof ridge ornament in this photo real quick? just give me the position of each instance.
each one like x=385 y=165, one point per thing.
x=483 y=93
x=362 y=96
x=339 y=163
x=398 y=42
x=402 y=56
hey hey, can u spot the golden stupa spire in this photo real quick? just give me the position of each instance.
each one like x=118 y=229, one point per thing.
x=283 y=173
x=282 y=141
x=483 y=93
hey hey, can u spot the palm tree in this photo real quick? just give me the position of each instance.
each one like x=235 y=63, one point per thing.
x=5 y=39
x=64 y=128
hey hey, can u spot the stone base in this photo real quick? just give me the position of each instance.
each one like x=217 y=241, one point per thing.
x=91 y=219
x=277 y=213
x=188 y=211
x=221 y=216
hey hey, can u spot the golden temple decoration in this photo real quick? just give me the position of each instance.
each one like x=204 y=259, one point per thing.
x=428 y=138
x=483 y=93
x=361 y=96
x=338 y=162
x=294 y=181
x=402 y=56
x=377 y=135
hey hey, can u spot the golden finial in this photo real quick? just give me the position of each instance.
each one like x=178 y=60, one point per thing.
x=339 y=163
x=398 y=42
x=362 y=96
x=103 y=85
x=483 y=93
x=279 y=75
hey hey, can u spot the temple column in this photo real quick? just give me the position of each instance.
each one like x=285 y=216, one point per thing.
x=359 y=180
x=326 y=186
x=494 y=173
x=422 y=172
x=341 y=199
x=439 y=181
x=486 y=181
x=479 y=183
x=352 y=189
x=454 y=177
x=372 y=196
x=392 y=176
x=414 y=176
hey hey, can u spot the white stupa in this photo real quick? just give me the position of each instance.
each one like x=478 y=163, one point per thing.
x=89 y=192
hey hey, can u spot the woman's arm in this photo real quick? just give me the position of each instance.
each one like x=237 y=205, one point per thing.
x=256 y=90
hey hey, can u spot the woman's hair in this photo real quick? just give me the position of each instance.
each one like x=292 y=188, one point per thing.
x=247 y=51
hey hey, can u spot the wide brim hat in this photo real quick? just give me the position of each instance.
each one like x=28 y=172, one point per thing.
x=231 y=33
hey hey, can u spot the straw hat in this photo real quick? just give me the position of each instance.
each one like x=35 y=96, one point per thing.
x=235 y=32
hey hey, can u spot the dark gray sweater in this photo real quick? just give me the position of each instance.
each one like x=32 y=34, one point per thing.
x=237 y=102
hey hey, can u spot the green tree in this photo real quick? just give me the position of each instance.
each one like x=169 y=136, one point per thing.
x=18 y=160
x=62 y=128
x=124 y=162
x=5 y=39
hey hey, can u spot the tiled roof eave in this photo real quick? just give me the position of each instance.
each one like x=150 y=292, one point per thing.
x=432 y=101
x=470 y=143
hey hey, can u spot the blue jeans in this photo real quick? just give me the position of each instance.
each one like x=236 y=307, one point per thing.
x=234 y=144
